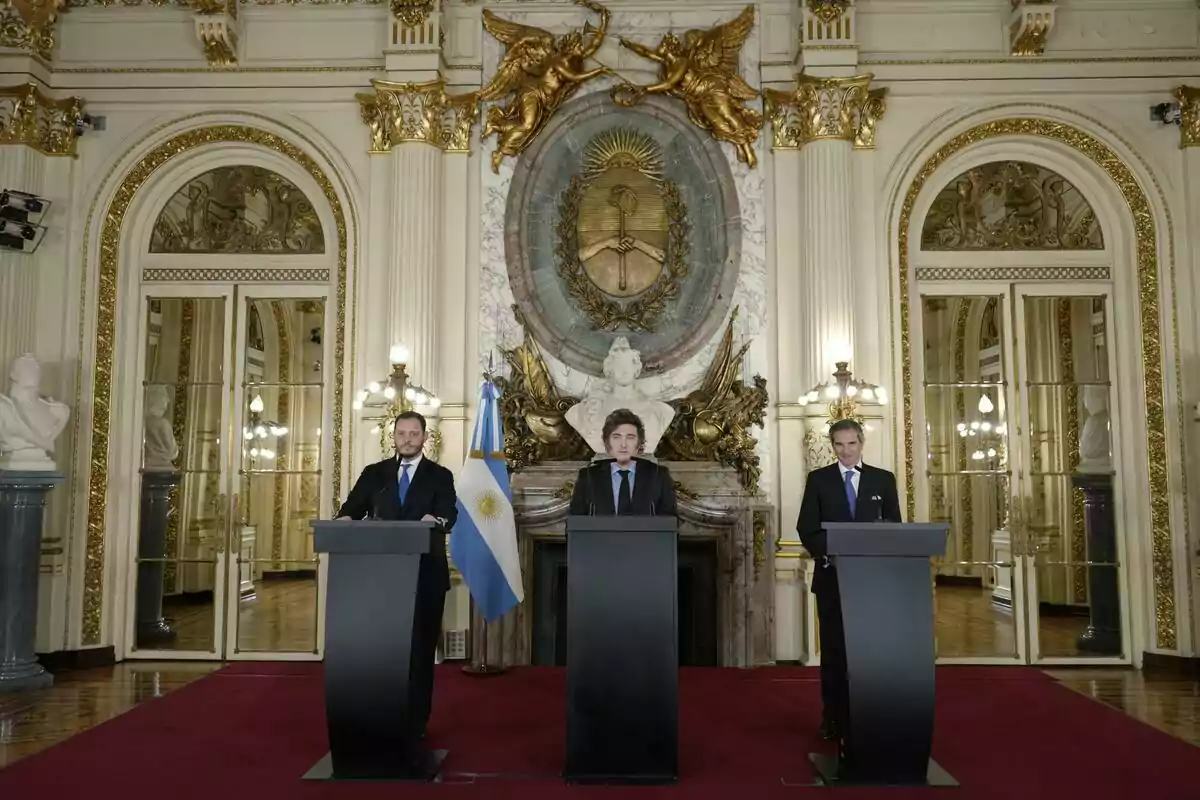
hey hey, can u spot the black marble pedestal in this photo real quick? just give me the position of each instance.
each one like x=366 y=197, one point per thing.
x=152 y=629
x=1103 y=633
x=22 y=503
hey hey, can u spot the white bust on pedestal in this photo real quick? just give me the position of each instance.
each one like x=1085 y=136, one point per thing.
x=29 y=423
x=622 y=367
x=159 y=449
x=1095 y=454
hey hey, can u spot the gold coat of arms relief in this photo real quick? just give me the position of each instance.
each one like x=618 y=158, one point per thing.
x=622 y=233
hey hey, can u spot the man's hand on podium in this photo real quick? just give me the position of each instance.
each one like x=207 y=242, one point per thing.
x=342 y=518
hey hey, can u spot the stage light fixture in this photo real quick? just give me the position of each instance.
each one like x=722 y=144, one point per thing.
x=20 y=213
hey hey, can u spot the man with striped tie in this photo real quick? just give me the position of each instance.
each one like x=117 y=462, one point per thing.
x=411 y=487
x=845 y=491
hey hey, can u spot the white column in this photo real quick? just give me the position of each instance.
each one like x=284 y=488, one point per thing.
x=870 y=276
x=416 y=255
x=452 y=384
x=21 y=169
x=827 y=297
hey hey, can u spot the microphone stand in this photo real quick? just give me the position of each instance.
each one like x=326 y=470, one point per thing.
x=482 y=669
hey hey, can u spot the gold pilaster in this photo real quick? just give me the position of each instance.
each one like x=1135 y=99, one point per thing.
x=825 y=108
x=418 y=112
x=1029 y=26
x=31 y=118
x=1189 y=111
x=29 y=25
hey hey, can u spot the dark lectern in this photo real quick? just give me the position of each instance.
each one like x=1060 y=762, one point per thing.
x=622 y=642
x=885 y=583
x=373 y=568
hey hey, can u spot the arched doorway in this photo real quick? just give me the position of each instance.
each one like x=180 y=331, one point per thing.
x=226 y=392
x=1020 y=282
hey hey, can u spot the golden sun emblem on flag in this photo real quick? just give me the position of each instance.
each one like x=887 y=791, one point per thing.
x=488 y=504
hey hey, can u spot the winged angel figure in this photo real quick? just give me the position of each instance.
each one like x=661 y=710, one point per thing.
x=540 y=71
x=702 y=71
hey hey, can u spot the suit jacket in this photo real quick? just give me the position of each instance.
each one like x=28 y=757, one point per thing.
x=430 y=491
x=825 y=501
x=653 y=490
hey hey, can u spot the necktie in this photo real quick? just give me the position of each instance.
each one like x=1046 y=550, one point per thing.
x=851 y=497
x=624 y=498
x=404 y=482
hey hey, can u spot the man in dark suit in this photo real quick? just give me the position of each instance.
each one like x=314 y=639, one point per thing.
x=625 y=484
x=846 y=491
x=413 y=488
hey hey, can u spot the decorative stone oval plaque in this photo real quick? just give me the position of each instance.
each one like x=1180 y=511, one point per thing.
x=622 y=222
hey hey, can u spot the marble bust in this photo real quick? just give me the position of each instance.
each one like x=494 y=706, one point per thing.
x=1094 y=451
x=29 y=423
x=159 y=449
x=622 y=366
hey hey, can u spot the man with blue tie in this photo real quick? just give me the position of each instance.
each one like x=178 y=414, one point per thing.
x=845 y=491
x=411 y=487
x=625 y=484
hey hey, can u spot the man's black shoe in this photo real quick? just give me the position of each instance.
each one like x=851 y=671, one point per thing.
x=829 y=730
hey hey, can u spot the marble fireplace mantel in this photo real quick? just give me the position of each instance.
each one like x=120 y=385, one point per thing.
x=712 y=506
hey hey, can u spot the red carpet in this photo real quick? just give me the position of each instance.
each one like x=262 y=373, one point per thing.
x=252 y=730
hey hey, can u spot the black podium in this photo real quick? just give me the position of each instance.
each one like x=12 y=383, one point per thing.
x=885 y=582
x=622 y=642
x=373 y=568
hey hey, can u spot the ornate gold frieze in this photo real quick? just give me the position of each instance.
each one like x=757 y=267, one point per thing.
x=418 y=112
x=236 y=274
x=1150 y=319
x=31 y=118
x=1098 y=272
x=825 y=108
x=1029 y=26
x=412 y=13
x=1011 y=205
x=538 y=73
x=622 y=233
x=703 y=71
x=714 y=422
x=1189 y=112
x=96 y=438
x=29 y=25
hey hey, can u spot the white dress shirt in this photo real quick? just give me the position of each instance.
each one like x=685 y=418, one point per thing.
x=856 y=476
x=413 y=463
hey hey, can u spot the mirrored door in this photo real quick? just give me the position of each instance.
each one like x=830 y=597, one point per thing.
x=233 y=414
x=1019 y=463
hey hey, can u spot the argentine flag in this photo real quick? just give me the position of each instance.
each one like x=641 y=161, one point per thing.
x=484 y=543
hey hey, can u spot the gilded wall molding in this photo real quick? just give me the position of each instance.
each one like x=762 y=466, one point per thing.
x=31 y=118
x=1152 y=324
x=1099 y=272
x=29 y=25
x=397 y=113
x=235 y=274
x=1189 y=112
x=845 y=109
x=1029 y=26
x=96 y=438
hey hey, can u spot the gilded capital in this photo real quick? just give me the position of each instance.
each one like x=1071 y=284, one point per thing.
x=825 y=108
x=828 y=11
x=1029 y=26
x=1189 y=115
x=397 y=113
x=31 y=118
x=29 y=25
x=412 y=13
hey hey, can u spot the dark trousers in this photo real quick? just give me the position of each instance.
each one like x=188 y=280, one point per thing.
x=835 y=687
x=427 y=630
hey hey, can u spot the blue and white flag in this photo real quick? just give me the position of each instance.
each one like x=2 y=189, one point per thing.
x=484 y=542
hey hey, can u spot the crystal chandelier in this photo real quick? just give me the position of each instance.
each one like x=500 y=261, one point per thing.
x=259 y=431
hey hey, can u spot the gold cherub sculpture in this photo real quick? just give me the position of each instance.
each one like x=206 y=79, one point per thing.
x=540 y=71
x=702 y=71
